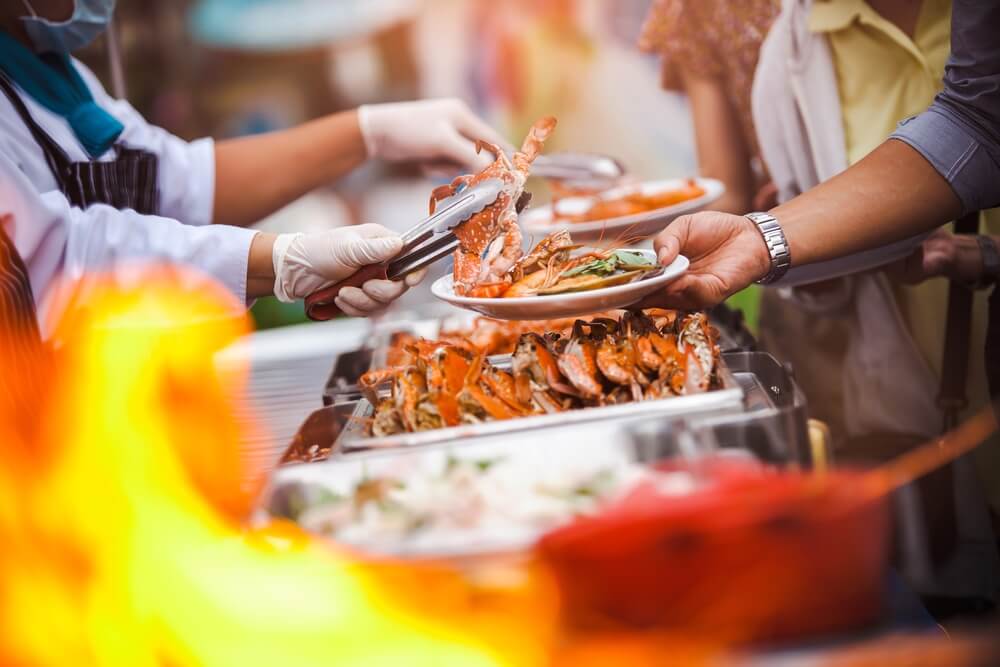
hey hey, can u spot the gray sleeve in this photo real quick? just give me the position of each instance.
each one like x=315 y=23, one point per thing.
x=960 y=133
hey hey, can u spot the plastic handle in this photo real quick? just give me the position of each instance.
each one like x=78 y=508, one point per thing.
x=320 y=305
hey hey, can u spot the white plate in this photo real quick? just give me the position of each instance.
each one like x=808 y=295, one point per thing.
x=573 y=304
x=642 y=225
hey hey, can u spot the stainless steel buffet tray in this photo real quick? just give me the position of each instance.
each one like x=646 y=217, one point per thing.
x=342 y=384
x=727 y=399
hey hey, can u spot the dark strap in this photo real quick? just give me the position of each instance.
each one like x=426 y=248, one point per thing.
x=953 y=398
x=22 y=354
x=130 y=181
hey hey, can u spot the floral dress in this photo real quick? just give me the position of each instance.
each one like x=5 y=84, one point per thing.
x=714 y=38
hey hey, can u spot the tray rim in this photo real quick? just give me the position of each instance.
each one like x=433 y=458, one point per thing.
x=714 y=189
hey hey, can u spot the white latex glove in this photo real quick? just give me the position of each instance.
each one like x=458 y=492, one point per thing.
x=304 y=263
x=430 y=131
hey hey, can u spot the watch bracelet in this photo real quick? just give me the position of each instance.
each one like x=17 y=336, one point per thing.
x=777 y=246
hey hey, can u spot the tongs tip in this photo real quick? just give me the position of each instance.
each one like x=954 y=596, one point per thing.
x=523 y=201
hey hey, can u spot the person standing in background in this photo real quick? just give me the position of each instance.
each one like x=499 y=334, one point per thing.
x=710 y=51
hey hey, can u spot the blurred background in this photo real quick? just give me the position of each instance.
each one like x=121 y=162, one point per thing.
x=226 y=68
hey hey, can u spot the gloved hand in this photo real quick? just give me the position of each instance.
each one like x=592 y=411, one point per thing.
x=430 y=131
x=304 y=263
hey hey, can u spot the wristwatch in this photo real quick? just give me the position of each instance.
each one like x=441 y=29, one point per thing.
x=991 y=262
x=777 y=246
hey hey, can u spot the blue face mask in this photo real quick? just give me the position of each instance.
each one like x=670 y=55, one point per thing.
x=90 y=19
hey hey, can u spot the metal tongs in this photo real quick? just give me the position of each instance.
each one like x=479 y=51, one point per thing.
x=428 y=242
x=578 y=170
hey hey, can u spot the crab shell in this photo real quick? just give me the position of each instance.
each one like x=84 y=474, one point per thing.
x=696 y=341
x=494 y=230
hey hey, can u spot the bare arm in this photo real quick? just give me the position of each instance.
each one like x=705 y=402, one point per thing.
x=260 y=267
x=891 y=194
x=255 y=176
x=722 y=150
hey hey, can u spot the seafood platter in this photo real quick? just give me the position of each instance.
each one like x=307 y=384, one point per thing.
x=586 y=283
x=386 y=345
x=635 y=211
x=637 y=364
x=558 y=277
x=755 y=404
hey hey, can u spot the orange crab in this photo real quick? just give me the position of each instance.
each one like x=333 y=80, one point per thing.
x=578 y=362
x=606 y=361
x=494 y=230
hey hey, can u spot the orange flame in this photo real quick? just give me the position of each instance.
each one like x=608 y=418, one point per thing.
x=123 y=521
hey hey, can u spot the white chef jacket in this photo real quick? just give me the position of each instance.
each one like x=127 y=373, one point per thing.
x=59 y=240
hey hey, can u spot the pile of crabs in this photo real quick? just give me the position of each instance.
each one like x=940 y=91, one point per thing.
x=489 y=336
x=641 y=355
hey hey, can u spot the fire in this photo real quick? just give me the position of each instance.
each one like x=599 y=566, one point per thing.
x=125 y=526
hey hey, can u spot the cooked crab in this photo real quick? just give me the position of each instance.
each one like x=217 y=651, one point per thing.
x=494 y=230
x=606 y=361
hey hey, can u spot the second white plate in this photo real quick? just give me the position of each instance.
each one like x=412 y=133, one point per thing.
x=642 y=225
x=573 y=304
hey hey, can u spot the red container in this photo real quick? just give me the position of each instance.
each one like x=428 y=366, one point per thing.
x=752 y=556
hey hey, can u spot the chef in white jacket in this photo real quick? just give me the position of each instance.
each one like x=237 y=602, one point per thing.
x=87 y=186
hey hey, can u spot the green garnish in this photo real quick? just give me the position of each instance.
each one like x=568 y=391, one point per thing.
x=597 y=267
x=632 y=260
x=619 y=260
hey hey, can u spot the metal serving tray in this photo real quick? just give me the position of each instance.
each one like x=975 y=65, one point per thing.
x=348 y=367
x=772 y=421
x=726 y=399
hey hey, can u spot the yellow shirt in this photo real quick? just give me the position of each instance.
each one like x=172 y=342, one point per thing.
x=884 y=76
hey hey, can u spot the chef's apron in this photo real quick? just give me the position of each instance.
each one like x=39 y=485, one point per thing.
x=127 y=182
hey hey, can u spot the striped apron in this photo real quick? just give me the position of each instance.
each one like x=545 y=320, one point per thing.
x=127 y=182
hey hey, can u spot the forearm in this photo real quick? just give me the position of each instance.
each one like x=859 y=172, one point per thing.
x=892 y=194
x=255 y=176
x=260 y=267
